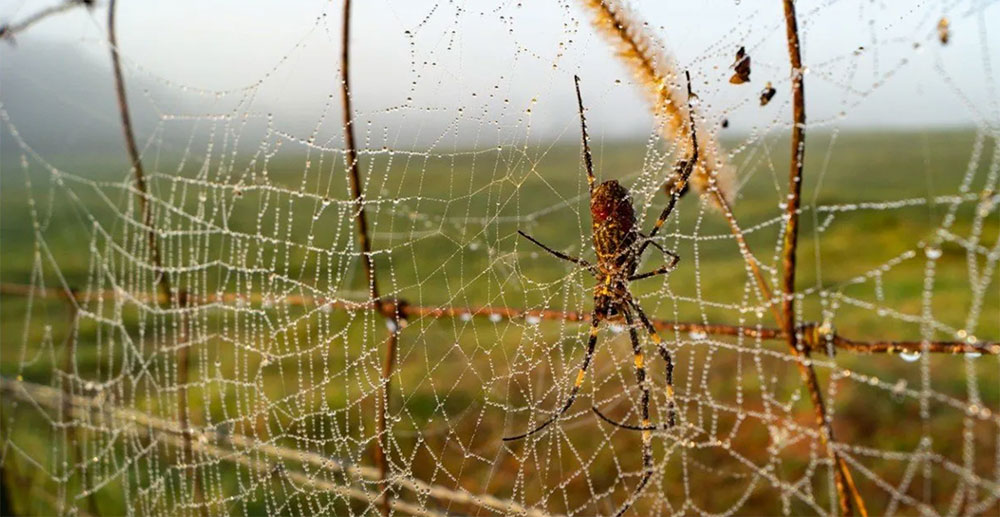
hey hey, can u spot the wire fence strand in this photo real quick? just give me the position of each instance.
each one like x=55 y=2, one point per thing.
x=815 y=337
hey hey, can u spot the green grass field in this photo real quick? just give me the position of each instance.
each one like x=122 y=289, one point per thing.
x=445 y=234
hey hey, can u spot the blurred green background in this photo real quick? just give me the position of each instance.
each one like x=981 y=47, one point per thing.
x=444 y=228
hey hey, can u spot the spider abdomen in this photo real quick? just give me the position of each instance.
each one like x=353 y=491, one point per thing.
x=614 y=226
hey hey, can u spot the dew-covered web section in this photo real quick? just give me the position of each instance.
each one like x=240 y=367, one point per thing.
x=215 y=338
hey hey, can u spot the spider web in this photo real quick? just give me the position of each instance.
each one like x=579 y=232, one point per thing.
x=254 y=387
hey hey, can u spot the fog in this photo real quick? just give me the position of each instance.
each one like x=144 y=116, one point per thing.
x=445 y=74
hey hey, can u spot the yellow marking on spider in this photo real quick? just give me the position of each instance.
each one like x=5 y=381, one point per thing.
x=638 y=361
x=670 y=391
x=656 y=338
x=593 y=330
x=659 y=223
x=647 y=436
x=579 y=377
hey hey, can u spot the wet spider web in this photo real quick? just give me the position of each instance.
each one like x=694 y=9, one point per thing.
x=467 y=133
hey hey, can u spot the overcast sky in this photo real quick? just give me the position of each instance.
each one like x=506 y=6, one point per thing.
x=434 y=71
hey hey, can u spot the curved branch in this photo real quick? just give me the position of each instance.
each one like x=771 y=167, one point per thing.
x=8 y=31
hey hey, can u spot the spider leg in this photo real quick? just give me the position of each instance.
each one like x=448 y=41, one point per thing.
x=652 y=242
x=686 y=167
x=648 y=241
x=595 y=320
x=630 y=427
x=665 y=354
x=587 y=158
x=640 y=373
x=558 y=254
x=647 y=437
x=666 y=268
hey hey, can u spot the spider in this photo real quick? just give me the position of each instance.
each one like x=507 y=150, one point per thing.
x=619 y=245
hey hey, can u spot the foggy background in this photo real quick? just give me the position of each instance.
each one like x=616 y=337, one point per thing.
x=449 y=75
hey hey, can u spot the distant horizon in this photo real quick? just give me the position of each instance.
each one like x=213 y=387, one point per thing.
x=478 y=84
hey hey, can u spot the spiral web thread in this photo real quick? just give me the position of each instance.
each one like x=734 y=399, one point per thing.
x=270 y=346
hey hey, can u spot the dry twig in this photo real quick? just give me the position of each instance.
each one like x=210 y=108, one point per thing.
x=842 y=475
x=162 y=280
x=8 y=31
x=388 y=310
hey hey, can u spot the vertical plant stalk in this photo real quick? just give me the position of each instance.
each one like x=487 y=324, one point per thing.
x=388 y=310
x=163 y=280
x=351 y=156
x=842 y=476
x=806 y=371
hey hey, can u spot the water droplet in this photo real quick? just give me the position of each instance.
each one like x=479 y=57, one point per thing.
x=465 y=316
x=932 y=252
x=698 y=335
x=533 y=320
x=910 y=356
x=899 y=390
x=495 y=317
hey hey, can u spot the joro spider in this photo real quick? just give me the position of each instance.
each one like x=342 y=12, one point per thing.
x=619 y=245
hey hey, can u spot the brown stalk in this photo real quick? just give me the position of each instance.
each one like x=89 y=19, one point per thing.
x=163 y=280
x=786 y=321
x=351 y=155
x=9 y=31
x=388 y=310
x=843 y=479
